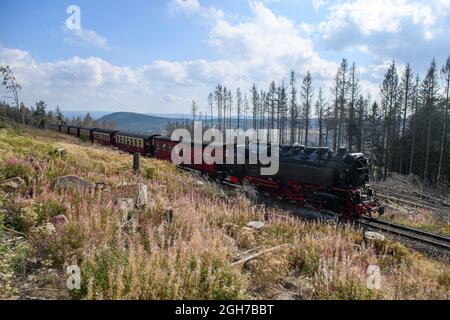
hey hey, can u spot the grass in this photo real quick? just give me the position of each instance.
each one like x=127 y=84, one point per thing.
x=190 y=258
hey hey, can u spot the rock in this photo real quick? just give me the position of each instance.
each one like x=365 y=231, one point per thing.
x=47 y=229
x=61 y=152
x=142 y=197
x=285 y=296
x=13 y=184
x=73 y=182
x=59 y=223
x=257 y=225
x=374 y=236
x=125 y=206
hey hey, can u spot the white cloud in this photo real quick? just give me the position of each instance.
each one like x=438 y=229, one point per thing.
x=317 y=4
x=406 y=30
x=268 y=46
x=86 y=37
x=189 y=6
x=371 y=16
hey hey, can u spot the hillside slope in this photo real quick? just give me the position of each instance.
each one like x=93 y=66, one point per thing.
x=145 y=253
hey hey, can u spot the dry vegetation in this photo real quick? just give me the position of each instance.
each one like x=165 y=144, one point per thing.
x=413 y=203
x=192 y=257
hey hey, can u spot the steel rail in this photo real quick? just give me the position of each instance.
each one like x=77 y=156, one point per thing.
x=407 y=232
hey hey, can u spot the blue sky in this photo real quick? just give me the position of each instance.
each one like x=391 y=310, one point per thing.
x=156 y=56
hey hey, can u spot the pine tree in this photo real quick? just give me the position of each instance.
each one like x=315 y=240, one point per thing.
x=255 y=109
x=415 y=104
x=320 y=109
x=354 y=89
x=406 y=92
x=443 y=147
x=293 y=108
x=238 y=106
x=389 y=96
x=429 y=90
x=307 y=96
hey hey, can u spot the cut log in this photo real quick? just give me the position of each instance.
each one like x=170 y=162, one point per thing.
x=256 y=255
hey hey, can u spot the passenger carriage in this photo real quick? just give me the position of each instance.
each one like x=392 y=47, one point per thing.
x=54 y=127
x=87 y=134
x=104 y=137
x=74 y=131
x=64 y=129
x=136 y=143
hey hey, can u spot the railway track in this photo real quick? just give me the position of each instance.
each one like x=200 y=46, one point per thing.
x=407 y=232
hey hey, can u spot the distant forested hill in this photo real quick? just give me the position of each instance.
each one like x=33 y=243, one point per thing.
x=136 y=122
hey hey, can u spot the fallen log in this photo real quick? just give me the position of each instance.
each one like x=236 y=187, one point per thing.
x=256 y=255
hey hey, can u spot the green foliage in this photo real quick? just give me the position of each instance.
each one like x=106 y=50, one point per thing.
x=20 y=261
x=20 y=217
x=15 y=167
x=70 y=244
x=47 y=210
x=150 y=173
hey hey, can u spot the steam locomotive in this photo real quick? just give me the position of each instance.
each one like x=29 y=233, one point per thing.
x=330 y=181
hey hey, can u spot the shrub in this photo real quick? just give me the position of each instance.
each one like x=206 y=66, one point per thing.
x=20 y=261
x=20 y=217
x=150 y=173
x=15 y=167
x=48 y=210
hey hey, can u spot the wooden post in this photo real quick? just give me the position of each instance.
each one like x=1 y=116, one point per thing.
x=136 y=162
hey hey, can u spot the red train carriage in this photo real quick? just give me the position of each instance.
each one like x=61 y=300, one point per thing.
x=163 y=147
x=104 y=137
x=136 y=143
x=64 y=129
x=54 y=127
x=74 y=131
x=87 y=133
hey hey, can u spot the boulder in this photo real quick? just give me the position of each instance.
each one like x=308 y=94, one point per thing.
x=375 y=238
x=13 y=184
x=199 y=183
x=73 y=182
x=59 y=223
x=142 y=197
x=125 y=206
x=256 y=225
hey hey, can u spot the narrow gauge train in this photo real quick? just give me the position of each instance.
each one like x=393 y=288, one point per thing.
x=318 y=177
